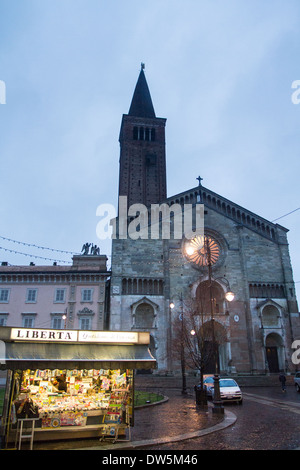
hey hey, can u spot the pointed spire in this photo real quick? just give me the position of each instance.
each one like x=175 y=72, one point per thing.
x=141 y=104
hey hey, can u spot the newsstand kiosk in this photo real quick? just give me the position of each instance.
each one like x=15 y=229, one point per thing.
x=69 y=384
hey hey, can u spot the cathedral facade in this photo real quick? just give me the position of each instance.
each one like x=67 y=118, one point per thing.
x=158 y=275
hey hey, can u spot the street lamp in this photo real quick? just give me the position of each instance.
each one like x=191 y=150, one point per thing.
x=182 y=358
x=218 y=408
x=229 y=296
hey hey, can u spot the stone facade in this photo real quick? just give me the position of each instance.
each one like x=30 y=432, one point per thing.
x=263 y=315
x=251 y=256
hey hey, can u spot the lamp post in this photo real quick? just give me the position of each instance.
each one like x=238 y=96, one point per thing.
x=217 y=408
x=197 y=355
x=182 y=357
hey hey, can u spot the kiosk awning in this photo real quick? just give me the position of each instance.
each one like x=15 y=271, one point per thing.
x=22 y=356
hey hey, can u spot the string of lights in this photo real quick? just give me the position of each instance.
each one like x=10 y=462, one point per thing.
x=37 y=246
x=34 y=256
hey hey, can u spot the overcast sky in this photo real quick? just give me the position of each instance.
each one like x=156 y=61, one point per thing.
x=221 y=72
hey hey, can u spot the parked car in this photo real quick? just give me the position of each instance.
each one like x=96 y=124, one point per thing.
x=229 y=389
x=297 y=381
x=208 y=383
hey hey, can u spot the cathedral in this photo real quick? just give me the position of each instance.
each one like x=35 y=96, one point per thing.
x=162 y=277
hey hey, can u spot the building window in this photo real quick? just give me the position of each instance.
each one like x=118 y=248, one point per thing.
x=144 y=316
x=4 y=295
x=144 y=133
x=142 y=286
x=86 y=295
x=265 y=290
x=28 y=320
x=60 y=295
x=85 y=317
x=31 y=295
x=135 y=133
x=57 y=322
x=270 y=316
x=3 y=319
x=85 y=323
x=202 y=250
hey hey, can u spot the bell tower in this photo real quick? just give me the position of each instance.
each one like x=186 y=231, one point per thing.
x=142 y=174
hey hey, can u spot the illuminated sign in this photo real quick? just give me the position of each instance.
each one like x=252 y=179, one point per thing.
x=108 y=336
x=84 y=336
x=31 y=334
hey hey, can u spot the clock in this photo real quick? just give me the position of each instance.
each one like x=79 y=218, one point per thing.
x=202 y=250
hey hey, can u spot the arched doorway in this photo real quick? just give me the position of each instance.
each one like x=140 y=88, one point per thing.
x=214 y=355
x=203 y=298
x=274 y=353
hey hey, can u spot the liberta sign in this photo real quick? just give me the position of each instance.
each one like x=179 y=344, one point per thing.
x=23 y=334
x=124 y=337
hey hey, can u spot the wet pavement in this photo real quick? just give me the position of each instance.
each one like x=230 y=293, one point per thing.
x=268 y=419
x=176 y=418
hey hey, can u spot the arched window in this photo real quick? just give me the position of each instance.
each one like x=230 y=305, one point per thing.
x=270 y=316
x=144 y=316
x=135 y=133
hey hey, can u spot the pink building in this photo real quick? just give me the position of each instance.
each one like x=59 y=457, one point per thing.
x=73 y=297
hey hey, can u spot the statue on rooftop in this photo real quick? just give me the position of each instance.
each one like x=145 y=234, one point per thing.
x=85 y=249
x=90 y=248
